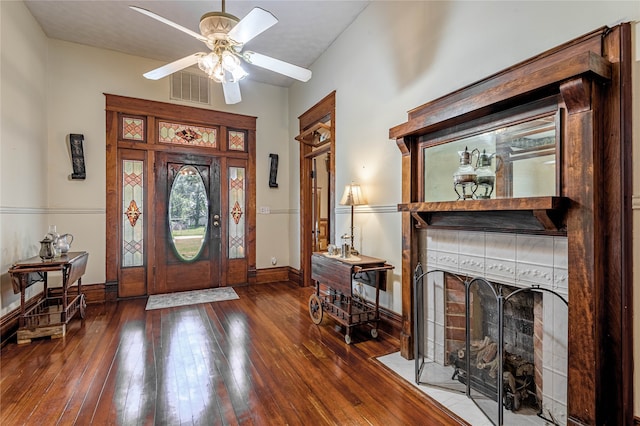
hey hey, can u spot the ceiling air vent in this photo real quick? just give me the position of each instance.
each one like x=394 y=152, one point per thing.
x=190 y=87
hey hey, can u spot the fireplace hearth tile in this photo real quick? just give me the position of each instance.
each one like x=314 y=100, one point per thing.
x=457 y=403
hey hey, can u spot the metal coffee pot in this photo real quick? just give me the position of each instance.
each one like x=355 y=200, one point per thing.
x=47 y=248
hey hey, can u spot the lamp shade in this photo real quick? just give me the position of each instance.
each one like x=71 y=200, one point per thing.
x=352 y=196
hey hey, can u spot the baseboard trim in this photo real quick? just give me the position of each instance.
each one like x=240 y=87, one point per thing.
x=272 y=275
x=294 y=276
x=390 y=322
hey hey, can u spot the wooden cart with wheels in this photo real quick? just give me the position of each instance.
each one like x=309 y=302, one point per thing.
x=52 y=312
x=334 y=294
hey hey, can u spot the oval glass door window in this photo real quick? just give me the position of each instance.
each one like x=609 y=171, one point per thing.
x=188 y=213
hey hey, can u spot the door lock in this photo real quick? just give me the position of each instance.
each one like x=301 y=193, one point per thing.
x=216 y=216
x=216 y=224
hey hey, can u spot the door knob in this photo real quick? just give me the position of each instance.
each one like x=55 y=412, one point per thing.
x=216 y=216
x=216 y=223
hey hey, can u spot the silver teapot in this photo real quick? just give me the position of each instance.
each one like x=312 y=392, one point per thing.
x=47 y=248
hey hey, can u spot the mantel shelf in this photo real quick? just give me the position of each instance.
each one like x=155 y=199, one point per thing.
x=528 y=215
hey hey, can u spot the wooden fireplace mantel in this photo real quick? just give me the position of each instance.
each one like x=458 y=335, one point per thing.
x=590 y=79
x=542 y=215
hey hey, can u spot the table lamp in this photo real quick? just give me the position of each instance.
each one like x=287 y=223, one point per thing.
x=352 y=197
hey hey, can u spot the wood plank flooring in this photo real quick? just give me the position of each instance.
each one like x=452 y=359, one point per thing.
x=258 y=360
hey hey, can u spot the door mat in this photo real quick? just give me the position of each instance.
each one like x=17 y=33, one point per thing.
x=184 y=298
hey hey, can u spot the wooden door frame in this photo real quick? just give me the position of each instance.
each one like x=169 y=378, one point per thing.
x=232 y=271
x=325 y=107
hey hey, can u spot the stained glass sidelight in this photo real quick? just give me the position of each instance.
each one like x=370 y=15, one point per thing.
x=237 y=213
x=132 y=128
x=182 y=134
x=236 y=140
x=133 y=218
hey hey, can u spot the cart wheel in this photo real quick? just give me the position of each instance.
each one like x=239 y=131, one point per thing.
x=374 y=333
x=315 y=309
x=83 y=306
x=347 y=339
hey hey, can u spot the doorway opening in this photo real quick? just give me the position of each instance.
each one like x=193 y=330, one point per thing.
x=317 y=181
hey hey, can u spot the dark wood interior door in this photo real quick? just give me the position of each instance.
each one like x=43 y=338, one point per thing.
x=188 y=223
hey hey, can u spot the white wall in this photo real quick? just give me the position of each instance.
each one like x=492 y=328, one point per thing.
x=23 y=141
x=53 y=88
x=398 y=55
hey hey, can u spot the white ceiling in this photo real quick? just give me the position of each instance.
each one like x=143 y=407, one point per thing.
x=306 y=28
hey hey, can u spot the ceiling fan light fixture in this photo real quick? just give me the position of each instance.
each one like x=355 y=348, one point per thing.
x=207 y=62
x=223 y=68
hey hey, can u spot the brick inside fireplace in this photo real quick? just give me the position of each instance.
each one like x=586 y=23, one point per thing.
x=523 y=326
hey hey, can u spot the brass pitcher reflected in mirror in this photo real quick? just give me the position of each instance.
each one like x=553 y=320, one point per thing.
x=465 y=177
x=485 y=177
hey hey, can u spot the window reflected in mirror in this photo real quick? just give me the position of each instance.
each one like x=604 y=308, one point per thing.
x=188 y=213
x=508 y=162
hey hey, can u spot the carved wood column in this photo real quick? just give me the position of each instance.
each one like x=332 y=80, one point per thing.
x=581 y=152
x=408 y=250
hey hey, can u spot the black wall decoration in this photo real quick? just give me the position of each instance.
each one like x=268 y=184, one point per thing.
x=273 y=171
x=77 y=156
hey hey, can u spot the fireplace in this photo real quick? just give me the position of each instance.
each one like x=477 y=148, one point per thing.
x=465 y=311
x=583 y=87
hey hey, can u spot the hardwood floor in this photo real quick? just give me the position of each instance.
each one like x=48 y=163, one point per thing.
x=257 y=360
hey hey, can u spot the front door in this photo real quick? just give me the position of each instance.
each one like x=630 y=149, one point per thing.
x=188 y=223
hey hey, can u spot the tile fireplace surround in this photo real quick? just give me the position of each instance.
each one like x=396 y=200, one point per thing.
x=515 y=260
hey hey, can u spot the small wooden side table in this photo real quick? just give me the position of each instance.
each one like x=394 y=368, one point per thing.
x=52 y=312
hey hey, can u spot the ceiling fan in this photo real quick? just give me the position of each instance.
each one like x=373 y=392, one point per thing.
x=225 y=35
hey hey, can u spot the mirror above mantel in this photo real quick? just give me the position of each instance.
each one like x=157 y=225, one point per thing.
x=516 y=160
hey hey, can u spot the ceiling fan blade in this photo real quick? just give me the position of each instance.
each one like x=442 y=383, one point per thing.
x=172 y=67
x=256 y=21
x=277 y=65
x=170 y=23
x=231 y=93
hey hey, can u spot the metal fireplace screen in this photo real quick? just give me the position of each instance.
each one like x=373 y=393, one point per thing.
x=459 y=326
